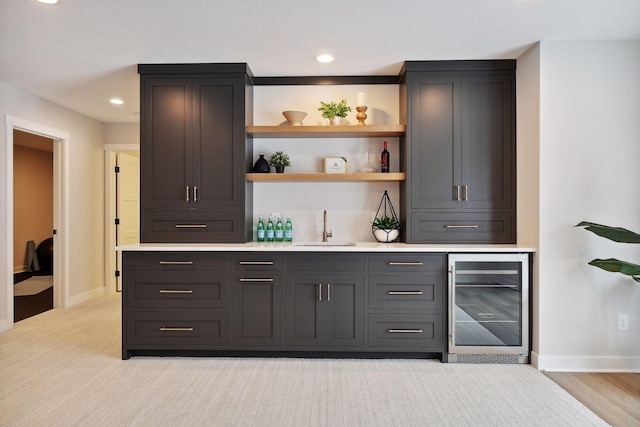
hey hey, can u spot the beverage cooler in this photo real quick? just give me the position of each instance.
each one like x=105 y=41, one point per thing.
x=489 y=308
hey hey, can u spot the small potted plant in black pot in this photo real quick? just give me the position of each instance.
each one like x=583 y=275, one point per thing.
x=279 y=160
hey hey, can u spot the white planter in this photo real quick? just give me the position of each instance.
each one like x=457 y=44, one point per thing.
x=386 y=236
x=336 y=121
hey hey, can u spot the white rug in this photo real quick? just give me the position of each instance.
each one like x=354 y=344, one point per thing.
x=63 y=368
x=32 y=286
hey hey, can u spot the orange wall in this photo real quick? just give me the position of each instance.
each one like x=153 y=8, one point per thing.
x=32 y=200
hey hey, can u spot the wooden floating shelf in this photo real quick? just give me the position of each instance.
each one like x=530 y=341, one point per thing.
x=335 y=177
x=354 y=131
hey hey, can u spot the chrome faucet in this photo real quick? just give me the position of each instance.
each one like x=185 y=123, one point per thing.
x=325 y=234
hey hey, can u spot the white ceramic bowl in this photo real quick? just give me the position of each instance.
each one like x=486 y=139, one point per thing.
x=294 y=117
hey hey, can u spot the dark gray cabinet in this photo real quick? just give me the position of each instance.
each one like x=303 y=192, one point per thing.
x=459 y=151
x=174 y=301
x=257 y=300
x=406 y=302
x=194 y=153
x=186 y=302
x=324 y=310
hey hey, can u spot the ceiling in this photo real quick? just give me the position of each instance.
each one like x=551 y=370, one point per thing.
x=81 y=53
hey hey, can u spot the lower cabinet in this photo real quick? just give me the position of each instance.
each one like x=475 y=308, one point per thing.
x=257 y=309
x=209 y=302
x=324 y=311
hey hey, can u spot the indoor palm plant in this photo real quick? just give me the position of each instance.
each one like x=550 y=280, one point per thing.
x=616 y=234
x=333 y=110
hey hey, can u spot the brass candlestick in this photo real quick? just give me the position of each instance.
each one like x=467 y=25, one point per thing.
x=361 y=116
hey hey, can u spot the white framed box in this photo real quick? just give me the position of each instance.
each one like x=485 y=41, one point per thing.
x=335 y=165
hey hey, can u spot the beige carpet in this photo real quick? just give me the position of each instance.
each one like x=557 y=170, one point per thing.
x=63 y=368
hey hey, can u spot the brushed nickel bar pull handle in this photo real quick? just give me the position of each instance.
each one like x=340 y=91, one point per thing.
x=176 y=291
x=176 y=263
x=466 y=193
x=187 y=198
x=195 y=193
x=188 y=329
x=461 y=226
x=417 y=264
x=457 y=187
x=405 y=331
x=405 y=292
x=256 y=280
x=191 y=225
x=320 y=292
x=256 y=262
x=328 y=291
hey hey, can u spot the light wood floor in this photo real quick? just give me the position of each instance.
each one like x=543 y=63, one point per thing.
x=614 y=397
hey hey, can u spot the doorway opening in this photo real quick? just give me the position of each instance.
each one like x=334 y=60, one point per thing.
x=32 y=224
x=60 y=263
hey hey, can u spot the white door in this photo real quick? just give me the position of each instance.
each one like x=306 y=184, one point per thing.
x=127 y=203
x=128 y=198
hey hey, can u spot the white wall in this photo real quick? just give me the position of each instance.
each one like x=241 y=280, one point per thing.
x=84 y=195
x=589 y=151
x=121 y=133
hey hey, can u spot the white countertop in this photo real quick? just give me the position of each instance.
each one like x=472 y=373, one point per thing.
x=329 y=247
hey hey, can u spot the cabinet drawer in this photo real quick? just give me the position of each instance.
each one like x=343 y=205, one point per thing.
x=326 y=262
x=190 y=289
x=173 y=261
x=411 y=292
x=177 y=330
x=256 y=261
x=192 y=227
x=406 y=331
x=463 y=227
x=406 y=263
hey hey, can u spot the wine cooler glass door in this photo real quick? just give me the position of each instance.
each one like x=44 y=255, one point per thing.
x=488 y=303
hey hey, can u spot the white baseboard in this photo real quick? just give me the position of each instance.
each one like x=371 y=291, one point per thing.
x=586 y=363
x=71 y=301
x=5 y=325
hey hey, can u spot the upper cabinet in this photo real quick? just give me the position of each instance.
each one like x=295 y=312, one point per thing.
x=459 y=151
x=194 y=153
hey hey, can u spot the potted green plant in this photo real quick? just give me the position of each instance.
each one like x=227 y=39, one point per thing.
x=279 y=160
x=334 y=110
x=385 y=228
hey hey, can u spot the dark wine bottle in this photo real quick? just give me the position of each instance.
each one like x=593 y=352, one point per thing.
x=384 y=159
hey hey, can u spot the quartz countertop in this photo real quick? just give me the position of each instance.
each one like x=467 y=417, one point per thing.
x=320 y=247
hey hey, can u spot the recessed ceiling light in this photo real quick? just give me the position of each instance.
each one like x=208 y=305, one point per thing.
x=324 y=58
x=116 y=101
x=48 y=1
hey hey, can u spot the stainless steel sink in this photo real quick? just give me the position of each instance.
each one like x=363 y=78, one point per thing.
x=324 y=244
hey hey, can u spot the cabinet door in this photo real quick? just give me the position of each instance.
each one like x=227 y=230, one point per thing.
x=303 y=305
x=434 y=174
x=324 y=311
x=344 y=309
x=257 y=309
x=487 y=142
x=166 y=144
x=218 y=160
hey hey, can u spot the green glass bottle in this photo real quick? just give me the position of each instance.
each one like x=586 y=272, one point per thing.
x=270 y=231
x=279 y=230
x=260 y=230
x=288 y=230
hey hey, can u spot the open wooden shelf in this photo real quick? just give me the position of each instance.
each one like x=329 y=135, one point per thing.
x=354 y=131
x=368 y=177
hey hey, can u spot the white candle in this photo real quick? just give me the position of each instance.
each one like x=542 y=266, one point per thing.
x=362 y=99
